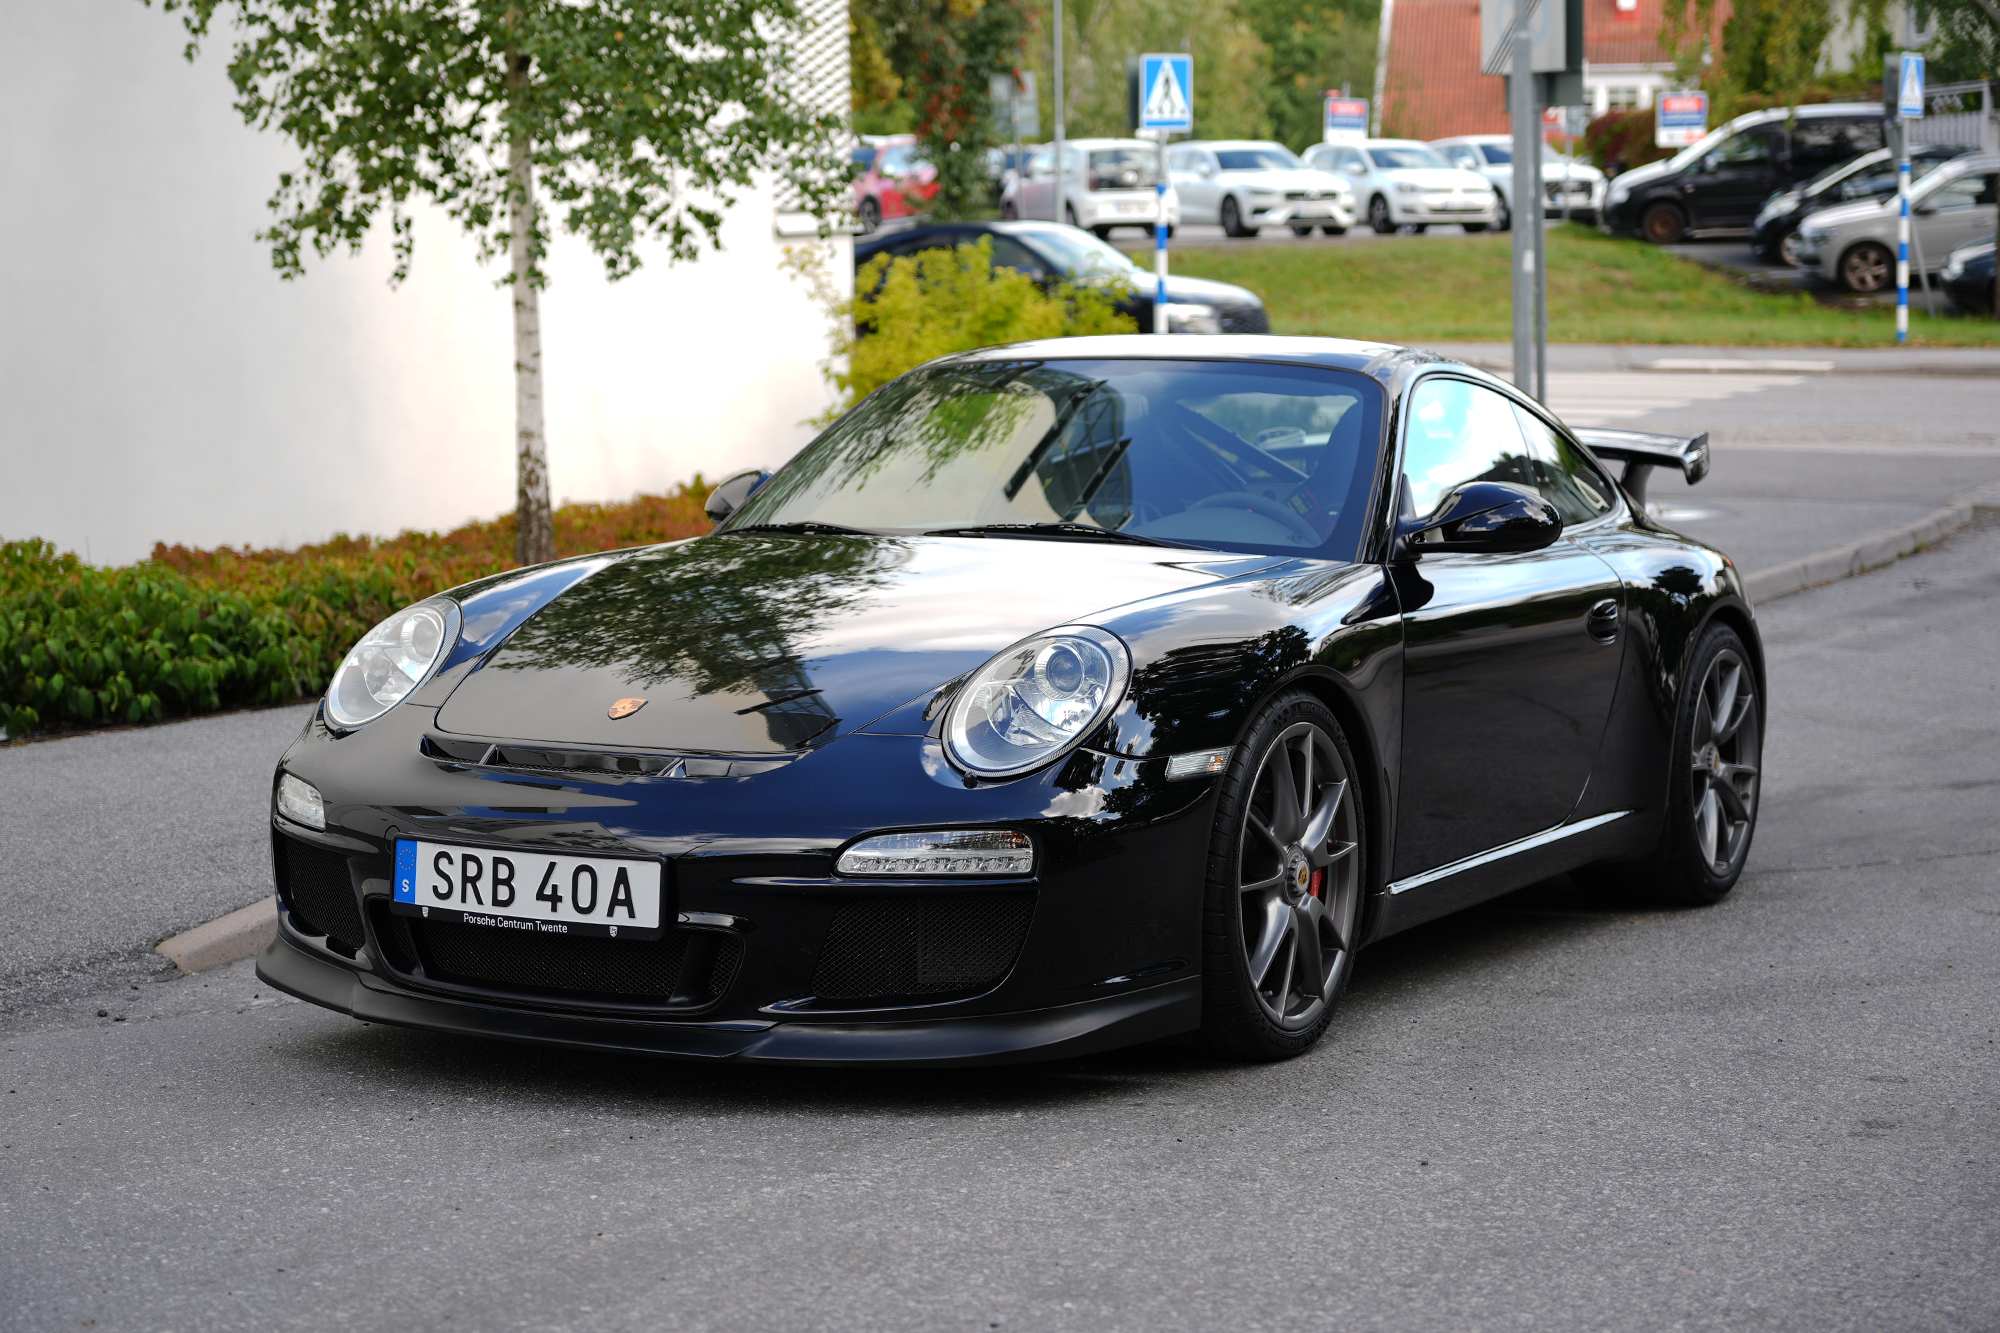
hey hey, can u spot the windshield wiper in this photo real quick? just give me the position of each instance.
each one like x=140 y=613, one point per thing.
x=808 y=528
x=1081 y=531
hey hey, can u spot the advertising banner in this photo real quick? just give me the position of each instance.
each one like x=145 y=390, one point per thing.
x=1346 y=119
x=1680 y=119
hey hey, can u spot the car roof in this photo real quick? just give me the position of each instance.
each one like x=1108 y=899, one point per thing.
x=1375 y=358
x=1809 y=111
x=1231 y=143
x=1390 y=143
x=1474 y=138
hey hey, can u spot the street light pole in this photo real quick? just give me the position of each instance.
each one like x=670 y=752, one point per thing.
x=1527 y=212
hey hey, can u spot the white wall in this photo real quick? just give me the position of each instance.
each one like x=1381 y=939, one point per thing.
x=159 y=382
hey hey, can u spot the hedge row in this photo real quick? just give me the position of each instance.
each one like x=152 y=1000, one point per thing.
x=193 y=631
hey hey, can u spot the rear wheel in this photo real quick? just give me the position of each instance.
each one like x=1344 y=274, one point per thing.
x=1866 y=268
x=1379 y=217
x=1664 y=224
x=1232 y=219
x=1285 y=875
x=871 y=216
x=1718 y=754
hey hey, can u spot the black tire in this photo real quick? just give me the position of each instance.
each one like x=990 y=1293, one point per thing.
x=1232 y=219
x=870 y=216
x=1301 y=902
x=1503 y=219
x=1010 y=212
x=1866 y=268
x=1101 y=232
x=1069 y=215
x=1302 y=231
x=1379 y=217
x=1419 y=228
x=1713 y=778
x=1787 y=249
x=1664 y=224
x=1474 y=228
x=1333 y=231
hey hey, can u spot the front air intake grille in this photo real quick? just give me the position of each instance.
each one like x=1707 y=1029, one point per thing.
x=319 y=893
x=1244 y=319
x=682 y=968
x=922 y=944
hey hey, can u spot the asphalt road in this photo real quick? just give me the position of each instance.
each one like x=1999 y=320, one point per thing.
x=1554 y=1112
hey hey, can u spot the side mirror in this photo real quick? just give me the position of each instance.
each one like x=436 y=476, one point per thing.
x=1205 y=171
x=1485 y=516
x=727 y=498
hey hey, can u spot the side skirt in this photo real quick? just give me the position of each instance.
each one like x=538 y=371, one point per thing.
x=1497 y=870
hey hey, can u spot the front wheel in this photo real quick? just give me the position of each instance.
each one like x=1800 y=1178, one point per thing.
x=1788 y=248
x=871 y=216
x=1663 y=224
x=1286 y=867
x=1302 y=231
x=1102 y=233
x=1866 y=268
x=1379 y=217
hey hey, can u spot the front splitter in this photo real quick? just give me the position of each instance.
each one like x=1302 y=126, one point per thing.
x=1045 y=1034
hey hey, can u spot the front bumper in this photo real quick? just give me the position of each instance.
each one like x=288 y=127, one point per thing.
x=1335 y=212
x=1126 y=213
x=1083 y=1028
x=1417 y=209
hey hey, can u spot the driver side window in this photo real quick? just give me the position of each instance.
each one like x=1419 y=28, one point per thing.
x=1459 y=432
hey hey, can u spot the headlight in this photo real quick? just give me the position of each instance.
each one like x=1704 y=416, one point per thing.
x=1620 y=192
x=1035 y=701
x=1954 y=269
x=1186 y=318
x=299 y=801
x=391 y=660
x=1813 y=235
x=1405 y=187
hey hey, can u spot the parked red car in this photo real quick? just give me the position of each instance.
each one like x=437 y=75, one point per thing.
x=892 y=180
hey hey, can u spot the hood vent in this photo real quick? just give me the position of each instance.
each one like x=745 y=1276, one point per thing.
x=459 y=752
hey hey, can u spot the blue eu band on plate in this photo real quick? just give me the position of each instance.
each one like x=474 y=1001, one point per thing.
x=510 y=889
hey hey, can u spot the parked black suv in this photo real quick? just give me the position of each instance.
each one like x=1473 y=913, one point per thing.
x=1719 y=183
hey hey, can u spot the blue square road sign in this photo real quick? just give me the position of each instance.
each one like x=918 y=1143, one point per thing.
x=1166 y=92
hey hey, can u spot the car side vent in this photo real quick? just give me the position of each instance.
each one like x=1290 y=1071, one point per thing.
x=589 y=765
x=319 y=893
x=922 y=945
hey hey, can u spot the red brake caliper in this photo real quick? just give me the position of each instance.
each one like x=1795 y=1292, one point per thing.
x=1313 y=887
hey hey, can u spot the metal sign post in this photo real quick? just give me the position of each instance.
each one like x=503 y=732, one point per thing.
x=1057 y=201
x=1527 y=216
x=1166 y=105
x=1909 y=107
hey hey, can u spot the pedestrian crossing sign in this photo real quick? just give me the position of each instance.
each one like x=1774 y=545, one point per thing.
x=1166 y=92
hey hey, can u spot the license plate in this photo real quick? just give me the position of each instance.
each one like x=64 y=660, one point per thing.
x=510 y=889
x=1314 y=211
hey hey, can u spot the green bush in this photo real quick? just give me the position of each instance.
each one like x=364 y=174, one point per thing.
x=86 y=646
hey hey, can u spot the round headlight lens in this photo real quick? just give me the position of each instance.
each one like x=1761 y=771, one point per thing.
x=391 y=660
x=1035 y=700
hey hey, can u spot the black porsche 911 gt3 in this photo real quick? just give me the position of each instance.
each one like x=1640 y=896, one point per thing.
x=1061 y=696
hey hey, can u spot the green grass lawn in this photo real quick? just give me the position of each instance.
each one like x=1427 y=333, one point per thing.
x=1601 y=290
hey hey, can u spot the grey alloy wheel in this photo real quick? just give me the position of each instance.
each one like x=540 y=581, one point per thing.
x=1285 y=880
x=1724 y=757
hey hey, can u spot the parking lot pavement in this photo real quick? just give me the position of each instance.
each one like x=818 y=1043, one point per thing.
x=1553 y=1112
x=114 y=840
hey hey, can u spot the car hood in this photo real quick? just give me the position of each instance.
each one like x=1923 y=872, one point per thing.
x=1196 y=291
x=1579 y=171
x=1637 y=176
x=1435 y=178
x=768 y=644
x=1324 y=181
x=1861 y=210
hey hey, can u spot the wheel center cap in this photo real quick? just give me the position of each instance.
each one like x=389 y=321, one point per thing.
x=1298 y=871
x=1713 y=757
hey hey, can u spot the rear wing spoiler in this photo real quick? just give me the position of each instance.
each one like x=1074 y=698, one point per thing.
x=1641 y=451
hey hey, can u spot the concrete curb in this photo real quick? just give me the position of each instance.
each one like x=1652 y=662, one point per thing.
x=227 y=939
x=1883 y=548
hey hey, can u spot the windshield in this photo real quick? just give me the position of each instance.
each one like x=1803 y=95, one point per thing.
x=1271 y=157
x=1680 y=160
x=1502 y=154
x=1083 y=255
x=1214 y=453
x=1124 y=168
x=1405 y=158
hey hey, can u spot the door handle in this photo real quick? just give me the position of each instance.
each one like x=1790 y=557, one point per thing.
x=1602 y=621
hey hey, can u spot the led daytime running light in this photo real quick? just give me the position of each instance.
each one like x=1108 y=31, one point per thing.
x=952 y=852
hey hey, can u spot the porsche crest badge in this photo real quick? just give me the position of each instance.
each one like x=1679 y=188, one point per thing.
x=626 y=707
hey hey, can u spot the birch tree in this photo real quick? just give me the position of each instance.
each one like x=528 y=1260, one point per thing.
x=636 y=119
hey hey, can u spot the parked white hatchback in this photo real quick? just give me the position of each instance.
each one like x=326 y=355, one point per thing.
x=1566 y=182
x=1404 y=183
x=1106 y=183
x=1855 y=244
x=1243 y=185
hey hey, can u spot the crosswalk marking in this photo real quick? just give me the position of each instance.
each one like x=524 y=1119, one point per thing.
x=1606 y=398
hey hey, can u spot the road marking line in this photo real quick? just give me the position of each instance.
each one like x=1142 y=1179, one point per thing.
x=1600 y=398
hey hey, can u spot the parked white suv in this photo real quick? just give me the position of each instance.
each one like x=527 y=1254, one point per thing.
x=1565 y=181
x=1106 y=183
x=1404 y=183
x=1243 y=185
x=1855 y=244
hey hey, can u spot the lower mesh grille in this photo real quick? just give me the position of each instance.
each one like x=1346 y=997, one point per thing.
x=922 y=945
x=695 y=966
x=319 y=893
x=1245 y=319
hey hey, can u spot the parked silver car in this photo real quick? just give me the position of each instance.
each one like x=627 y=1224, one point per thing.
x=1567 y=182
x=1106 y=183
x=1243 y=185
x=1855 y=244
